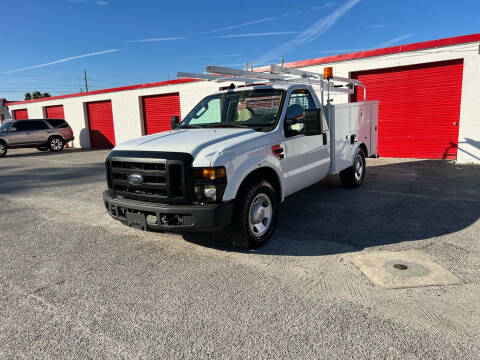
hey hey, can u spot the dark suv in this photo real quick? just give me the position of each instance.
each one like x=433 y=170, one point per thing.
x=44 y=134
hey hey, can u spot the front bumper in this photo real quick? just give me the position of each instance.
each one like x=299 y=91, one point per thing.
x=168 y=217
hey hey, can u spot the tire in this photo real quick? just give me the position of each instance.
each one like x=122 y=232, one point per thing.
x=254 y=216
x=56 y=143
x=42 y=148
x=353 y=176
x=3 y=149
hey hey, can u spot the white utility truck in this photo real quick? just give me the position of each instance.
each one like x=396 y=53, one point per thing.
x=234 y=158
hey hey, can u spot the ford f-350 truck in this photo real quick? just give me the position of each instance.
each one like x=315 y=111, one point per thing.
x=234 y=158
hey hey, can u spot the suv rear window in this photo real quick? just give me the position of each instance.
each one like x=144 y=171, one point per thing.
x=57 y=123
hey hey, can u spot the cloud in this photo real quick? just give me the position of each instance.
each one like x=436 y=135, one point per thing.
x=253 y=22
x=63 y=60
x=156 y=39
x=310 y=34
x=374 y=26
x=102 y=3
x=326 y=5
x=393 y=41
x=272 y=33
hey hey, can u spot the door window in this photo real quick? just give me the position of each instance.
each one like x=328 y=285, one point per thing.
x=23 y=125
x=300 y=100
x=38 y=125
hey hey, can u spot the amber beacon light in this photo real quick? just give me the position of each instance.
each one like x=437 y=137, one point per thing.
x=328 y=72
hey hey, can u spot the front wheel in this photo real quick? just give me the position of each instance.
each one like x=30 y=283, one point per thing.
x=353 y=176
x=3 y=149
x=254 y=217
x=56 y=143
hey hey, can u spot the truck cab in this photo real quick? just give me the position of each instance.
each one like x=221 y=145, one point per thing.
x=232 y=160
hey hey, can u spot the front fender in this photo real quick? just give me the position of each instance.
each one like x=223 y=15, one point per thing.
x=245 y=168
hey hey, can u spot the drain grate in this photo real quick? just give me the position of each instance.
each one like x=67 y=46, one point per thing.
x=400 y=266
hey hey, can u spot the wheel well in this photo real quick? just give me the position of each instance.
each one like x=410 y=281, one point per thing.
x=54 y=136
x=364 y=148
x=264 y=173
x=3 y=142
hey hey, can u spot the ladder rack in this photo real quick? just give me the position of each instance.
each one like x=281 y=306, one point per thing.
x=277 y=73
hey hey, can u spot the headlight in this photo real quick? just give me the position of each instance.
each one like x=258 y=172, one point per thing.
x=209 y=183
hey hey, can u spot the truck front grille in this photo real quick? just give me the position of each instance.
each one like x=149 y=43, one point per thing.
x=164 y=180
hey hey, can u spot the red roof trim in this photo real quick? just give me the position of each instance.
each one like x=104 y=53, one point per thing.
x=105 y=91
x=385 y=51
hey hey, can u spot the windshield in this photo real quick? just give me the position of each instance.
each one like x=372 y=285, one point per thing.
x=6 y=126
x=250 y=108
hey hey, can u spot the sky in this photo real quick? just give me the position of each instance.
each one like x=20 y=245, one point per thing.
x=47 y=44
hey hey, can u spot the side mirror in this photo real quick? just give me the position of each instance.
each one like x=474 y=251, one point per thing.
x=174 y=121
x=312 y=121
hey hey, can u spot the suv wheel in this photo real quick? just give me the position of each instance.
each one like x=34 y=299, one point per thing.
x=3 y=149
x=56 y=143
x=254 y=216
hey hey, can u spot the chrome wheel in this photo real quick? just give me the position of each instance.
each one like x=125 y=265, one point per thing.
x=260 y=215
x=3 y=149
x=56 y=144
x=359 y=167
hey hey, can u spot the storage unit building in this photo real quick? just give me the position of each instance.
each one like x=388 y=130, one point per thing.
x=429 y=95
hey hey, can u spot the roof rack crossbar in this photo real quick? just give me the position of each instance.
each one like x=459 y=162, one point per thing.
x=277 y=73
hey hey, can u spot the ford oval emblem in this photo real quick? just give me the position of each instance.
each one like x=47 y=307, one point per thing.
x=135 y=179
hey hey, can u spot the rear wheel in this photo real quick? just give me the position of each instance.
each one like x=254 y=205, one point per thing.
x=353 y=176
x=254 y=216
x=56 y=143
x=3 y=149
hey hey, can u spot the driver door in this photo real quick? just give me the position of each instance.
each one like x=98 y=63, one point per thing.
x=307 y=157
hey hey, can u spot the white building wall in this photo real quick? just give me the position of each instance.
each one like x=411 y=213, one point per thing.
x=128 y=113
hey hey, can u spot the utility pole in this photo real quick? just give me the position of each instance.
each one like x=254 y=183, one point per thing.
x=86 y=81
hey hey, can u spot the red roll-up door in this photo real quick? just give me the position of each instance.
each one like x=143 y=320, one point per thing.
x=100 y=120
x=158 y=110
x=419 y=110
x=54 y=112
x=20 y=114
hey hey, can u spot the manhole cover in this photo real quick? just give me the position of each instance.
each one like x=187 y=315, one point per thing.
x=400 y=266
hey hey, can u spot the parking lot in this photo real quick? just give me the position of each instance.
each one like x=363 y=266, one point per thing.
x=77 y=284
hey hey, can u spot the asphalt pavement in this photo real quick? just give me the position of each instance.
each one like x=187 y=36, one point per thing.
x=75 y=284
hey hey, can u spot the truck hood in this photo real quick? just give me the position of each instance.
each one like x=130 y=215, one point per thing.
x=191 y=141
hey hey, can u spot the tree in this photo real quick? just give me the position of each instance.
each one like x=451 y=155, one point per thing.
x=36 y=95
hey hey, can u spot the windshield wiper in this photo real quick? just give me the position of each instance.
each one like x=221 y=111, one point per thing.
x=227 y=125
x=188 y=126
